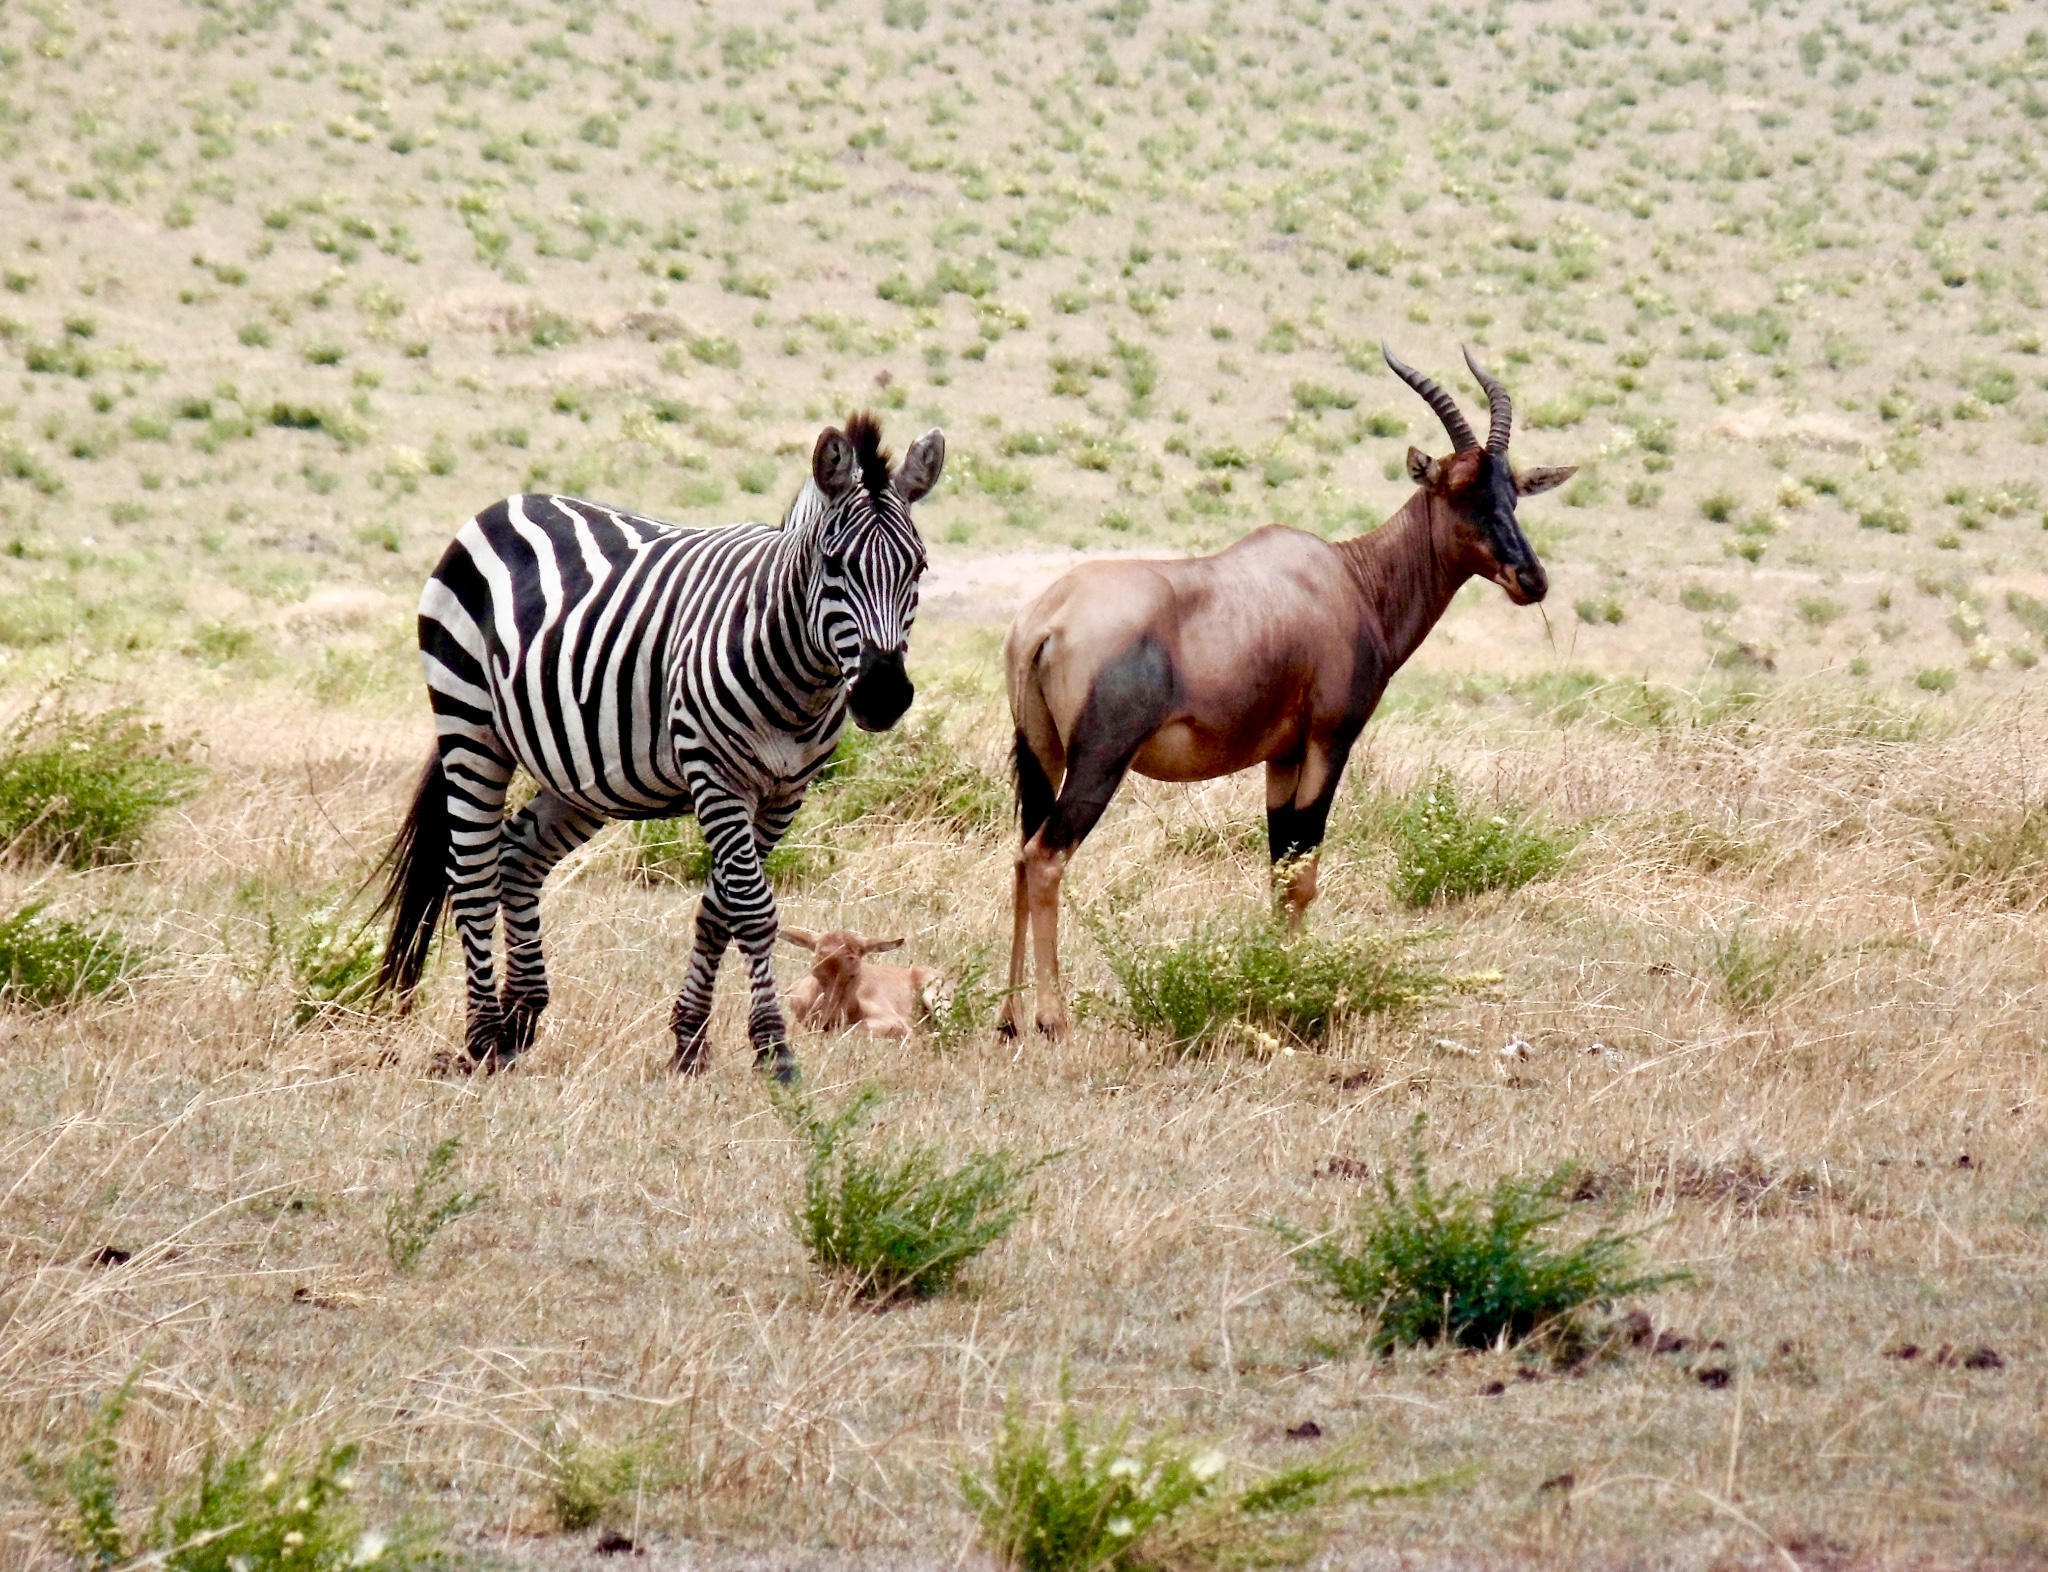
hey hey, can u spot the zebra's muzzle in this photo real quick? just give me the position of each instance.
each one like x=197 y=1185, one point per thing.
x=881 y=690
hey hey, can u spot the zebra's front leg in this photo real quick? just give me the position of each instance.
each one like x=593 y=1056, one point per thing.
x=737 y=906
x=539 y=836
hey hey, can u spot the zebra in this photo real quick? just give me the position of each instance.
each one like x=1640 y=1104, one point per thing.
x=640 y=670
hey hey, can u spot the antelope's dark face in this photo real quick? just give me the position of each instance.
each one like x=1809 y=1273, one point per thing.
x=1478 y=488
x=871 y=559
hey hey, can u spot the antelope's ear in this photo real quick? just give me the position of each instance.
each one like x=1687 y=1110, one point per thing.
x=1530 y=481
x=922 y=466
x=833 y=465
x=877 y=946
x=802 y=938
x=1422 y=468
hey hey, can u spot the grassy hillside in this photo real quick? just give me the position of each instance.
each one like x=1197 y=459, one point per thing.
x=291 y=290
x=294 y=289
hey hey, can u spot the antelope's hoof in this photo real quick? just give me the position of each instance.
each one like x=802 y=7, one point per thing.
x=1006 y=1029
x=1053 y=1027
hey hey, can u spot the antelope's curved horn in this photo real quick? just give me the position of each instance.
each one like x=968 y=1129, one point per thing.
x=1500 y=409
x=1445 y=406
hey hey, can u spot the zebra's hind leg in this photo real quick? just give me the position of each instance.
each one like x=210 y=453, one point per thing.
x=477 y=776
x=539 y=836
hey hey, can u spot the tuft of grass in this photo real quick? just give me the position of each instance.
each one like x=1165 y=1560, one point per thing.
x=586 y=1481
x=46 y=961
x=2006 y=859
x=1470 y=1269
x=1058 y=1498
x=901 y=1223
x=1720 y=506
x=84 y=789
x=412 y=1219
x=1448 y=846
x=1757 y=968
x=1597 y=609
x=911 y=774
x=1249 y=974
x=1697 y=597
x=333 y=964
x=245 y=1512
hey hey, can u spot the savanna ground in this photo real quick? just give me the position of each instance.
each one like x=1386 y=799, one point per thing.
x=292 y=290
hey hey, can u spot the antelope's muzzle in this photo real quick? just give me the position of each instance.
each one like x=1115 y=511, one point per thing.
x=881 y=690
x=1533 y=583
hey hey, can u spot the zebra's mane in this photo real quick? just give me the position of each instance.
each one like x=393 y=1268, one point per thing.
x=864 y=431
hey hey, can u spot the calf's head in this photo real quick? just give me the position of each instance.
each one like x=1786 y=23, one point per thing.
x=839 y=951
x=871 y=558
x=1477 y=488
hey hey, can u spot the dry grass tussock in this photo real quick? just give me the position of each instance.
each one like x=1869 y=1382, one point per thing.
x=1769 y=1018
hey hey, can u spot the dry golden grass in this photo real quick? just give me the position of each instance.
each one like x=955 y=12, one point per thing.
x=632 y=1280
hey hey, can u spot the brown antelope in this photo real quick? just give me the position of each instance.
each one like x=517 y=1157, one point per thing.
x=1273 y=652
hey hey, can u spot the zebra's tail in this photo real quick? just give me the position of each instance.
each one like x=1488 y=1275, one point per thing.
x=416 y=887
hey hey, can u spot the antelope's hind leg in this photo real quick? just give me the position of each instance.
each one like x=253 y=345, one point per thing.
x=538 y=837
x=1131 y=697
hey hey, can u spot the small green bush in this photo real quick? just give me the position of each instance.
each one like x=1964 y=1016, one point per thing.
x=412 y=1218
x=1597 y=609
x=333 y=964
x=1456 y=1266
x=2007 y=859
x=1057 y=1499
x=84 y=789
x=909 y=774
x=900 y=1224
x=1720 y=506
x=1756 y=968
x=675 y=849
x=45 y=961
x=1697 y=597
x=246 y=1512
x=586 y=1482
x=1250 y=973
x=1447 y=846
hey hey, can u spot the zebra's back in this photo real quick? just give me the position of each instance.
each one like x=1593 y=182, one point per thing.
x=565 y=628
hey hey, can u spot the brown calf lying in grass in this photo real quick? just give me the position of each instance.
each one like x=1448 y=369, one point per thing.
x=843 y=990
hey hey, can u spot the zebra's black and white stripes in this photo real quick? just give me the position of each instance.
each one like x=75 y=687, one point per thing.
x=640 y=670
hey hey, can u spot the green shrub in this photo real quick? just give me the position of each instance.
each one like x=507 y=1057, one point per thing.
x=676 y=849
x=1250 y=973
x=1697 y=597
x=585 y=1481
x=1756 y=968
x=2007 y=859
x=246 y=1512
x=1935 y=679
x=900 y=1223
x=1456 y=1266
x=333 y=964
x=1720 y=506
x=909 y=774
x=1056 y=1499
x=1597 y=609
x=45 y=961
x=1817 y=611
x=412 y=1218
x=84 y=789
x=1447 y=846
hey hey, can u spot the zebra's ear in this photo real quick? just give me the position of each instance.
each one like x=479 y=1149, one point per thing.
x=921 y=466
x=833 y=464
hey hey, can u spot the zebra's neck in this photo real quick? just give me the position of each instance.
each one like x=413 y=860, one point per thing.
x=795 y=574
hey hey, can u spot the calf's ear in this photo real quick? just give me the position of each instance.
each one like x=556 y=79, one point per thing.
x=1530 y=481
x=921 y=466
x=877 y=946
x=802 y=938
